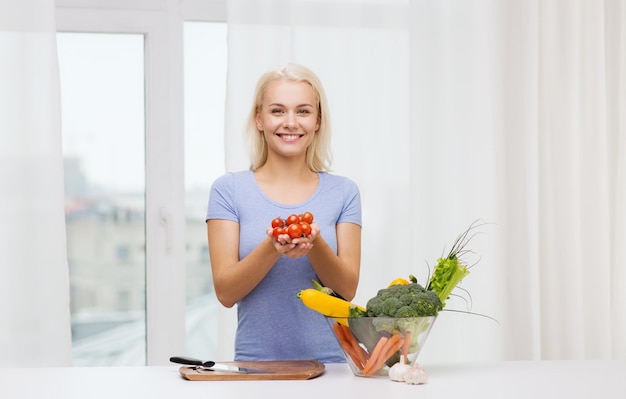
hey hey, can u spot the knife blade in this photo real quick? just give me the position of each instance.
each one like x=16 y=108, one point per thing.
x=210 y=365
x=229 y=368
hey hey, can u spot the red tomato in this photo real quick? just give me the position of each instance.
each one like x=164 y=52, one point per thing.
x=278 y=230
x=294 y=230
x=306 y=228
x=291 y=219
x=307 y=217
x=278 y=222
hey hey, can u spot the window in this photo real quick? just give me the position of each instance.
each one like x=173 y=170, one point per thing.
x=102 y=91
x=161 y=295
x=205 y=90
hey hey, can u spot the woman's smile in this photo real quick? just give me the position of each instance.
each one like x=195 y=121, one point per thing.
x=290 y=136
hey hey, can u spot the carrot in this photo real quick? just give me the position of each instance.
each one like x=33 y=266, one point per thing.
x=389 y=347
x=405 y=346
x=353 y=355
x=360 y=352
x=339 y=331
x=347 y=346
x=394 y=344
x=373 y=360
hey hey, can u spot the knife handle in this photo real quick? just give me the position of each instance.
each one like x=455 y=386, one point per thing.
x=186 y=360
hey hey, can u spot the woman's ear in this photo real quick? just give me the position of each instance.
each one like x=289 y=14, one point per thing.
x=257 y=120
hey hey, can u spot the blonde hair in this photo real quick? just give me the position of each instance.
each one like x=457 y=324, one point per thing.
x=318 y=157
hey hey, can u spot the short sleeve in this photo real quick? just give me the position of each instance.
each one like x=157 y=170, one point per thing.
x=351 y=212
x=221 y=199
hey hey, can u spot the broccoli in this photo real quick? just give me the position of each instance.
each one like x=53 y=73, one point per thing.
x=390 y=306
x=427 y=303
x=374 y=306
x=404 y=300
x=406 y=311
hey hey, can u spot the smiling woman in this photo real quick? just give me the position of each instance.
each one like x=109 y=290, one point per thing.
x=262 y=273
x=290 y=113
x=285 y=101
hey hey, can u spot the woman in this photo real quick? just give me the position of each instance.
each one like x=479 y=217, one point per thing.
x=289 y=132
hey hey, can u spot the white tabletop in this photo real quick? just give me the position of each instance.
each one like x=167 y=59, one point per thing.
x=522 y=379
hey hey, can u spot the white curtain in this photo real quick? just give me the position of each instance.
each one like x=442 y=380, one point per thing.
x=449 y=111
x=34 y=279
x=564 y=182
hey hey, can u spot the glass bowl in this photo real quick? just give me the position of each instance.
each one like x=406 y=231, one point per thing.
x=372 y=345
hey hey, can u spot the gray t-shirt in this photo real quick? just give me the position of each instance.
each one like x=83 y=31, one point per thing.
x=273 y=324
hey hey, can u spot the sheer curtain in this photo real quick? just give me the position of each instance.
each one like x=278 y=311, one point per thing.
x=563 y=179
x=448 y=112
x=34 y=280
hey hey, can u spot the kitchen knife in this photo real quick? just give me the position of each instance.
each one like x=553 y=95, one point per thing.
x=213 y=366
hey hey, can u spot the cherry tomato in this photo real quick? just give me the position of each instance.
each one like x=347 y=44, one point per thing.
x=278 y=230
x=306 y=228
x=294 y=230
x=278 y=222
x=291 y=219
x=307 y=217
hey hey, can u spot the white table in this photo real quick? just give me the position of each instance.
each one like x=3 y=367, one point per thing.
x=522 y=379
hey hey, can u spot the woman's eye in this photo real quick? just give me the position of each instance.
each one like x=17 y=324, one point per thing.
x=277 y=111
x=303 y=111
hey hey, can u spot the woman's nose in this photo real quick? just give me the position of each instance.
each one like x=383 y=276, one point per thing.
x=290 y=121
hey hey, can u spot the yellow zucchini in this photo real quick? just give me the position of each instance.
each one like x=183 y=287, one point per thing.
x=325 y=304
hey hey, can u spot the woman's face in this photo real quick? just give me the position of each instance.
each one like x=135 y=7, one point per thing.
x=288 y=117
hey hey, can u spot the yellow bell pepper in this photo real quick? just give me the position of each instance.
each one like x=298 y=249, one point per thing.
x=400 y=281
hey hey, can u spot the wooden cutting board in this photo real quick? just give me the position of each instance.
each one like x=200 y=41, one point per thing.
x=281 y=370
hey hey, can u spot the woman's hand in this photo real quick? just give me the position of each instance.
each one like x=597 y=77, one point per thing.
x=294 y=247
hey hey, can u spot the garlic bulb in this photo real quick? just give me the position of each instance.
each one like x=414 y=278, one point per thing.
x=398 y=370
x=415 y=375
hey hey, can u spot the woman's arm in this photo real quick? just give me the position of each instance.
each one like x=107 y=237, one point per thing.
x=233 y=278
x=340 y=271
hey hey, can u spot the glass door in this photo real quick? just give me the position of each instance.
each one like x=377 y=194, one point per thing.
x=205 y=59
x=103 y=129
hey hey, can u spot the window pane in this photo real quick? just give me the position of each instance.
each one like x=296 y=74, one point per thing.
x=205 y=91
x=102 y=89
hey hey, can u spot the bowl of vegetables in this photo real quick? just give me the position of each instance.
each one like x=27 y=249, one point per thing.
x=391 y=329
x=384 y=337
x=372 y=345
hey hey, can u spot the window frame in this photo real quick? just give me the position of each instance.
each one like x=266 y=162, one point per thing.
x=161 y=24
